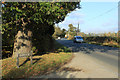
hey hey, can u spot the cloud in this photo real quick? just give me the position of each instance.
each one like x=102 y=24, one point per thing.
x=76 y=14
x=71 y=21
x=74 y=18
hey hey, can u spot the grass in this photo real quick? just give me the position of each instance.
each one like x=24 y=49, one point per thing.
x=104 y=41
x=58 y=45
x=111 y=44
x=41 y=65
x=60 y=48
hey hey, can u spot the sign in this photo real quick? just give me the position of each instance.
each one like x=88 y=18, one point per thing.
x=23 y=55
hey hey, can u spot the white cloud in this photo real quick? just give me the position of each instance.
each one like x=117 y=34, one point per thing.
x=74 y=18
x=76 y=14
x=71 y=21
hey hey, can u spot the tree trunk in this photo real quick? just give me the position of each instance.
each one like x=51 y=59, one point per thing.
x=22 y=42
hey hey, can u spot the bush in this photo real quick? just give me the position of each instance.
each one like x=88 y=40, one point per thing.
x=109 y=41
x=64 y=49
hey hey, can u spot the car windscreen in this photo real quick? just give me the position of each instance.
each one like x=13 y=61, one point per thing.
x=79 y=37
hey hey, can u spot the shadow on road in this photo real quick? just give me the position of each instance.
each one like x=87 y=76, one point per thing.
x=85 y=47
x=64 y=72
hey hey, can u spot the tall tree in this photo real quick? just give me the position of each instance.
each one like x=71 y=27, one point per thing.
x=63 y=33
x=72 y=30
x=57 y=32
x=27 y=19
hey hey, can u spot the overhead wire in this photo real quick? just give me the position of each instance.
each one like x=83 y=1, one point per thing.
x=103 y=13
x=91 y=19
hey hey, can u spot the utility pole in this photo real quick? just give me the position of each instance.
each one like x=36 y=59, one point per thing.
x=78 y=30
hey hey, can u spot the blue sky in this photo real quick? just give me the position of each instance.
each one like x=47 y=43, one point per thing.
x=94 y=17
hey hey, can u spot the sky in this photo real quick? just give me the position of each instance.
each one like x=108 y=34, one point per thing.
x=94 y=17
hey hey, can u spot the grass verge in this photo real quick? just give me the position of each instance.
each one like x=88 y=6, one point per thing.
x=61 y=48
x=110 y=44
x=41 y=65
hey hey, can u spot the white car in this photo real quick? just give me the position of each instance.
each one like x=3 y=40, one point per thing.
x=78 y=39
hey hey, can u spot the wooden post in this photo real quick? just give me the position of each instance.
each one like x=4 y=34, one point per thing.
x=24 y=55
x=17 y=61
x=31 y=59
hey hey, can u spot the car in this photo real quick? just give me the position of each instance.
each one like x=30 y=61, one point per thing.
x=77 y=39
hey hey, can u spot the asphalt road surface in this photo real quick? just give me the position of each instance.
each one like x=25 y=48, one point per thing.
x=103 y=55
x=91 y=61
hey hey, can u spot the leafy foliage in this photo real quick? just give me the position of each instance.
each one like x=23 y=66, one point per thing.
x=72 y=31
x=58 y=32
x=38 y=17
x=39 y=12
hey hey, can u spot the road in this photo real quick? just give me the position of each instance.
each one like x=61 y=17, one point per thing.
x=104 y=55
x=95 y=61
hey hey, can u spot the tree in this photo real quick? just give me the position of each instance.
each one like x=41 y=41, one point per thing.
x=32 y=21
x=63 y=33
x=72 y=31
x=82 y=34
x=57 y=32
